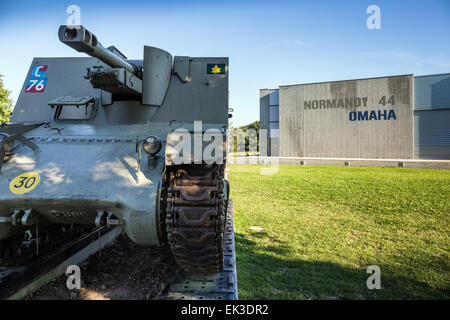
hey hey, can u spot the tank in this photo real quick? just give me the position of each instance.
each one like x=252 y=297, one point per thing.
x=105 y=140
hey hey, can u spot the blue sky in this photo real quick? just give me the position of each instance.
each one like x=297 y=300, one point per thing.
x=270 y=43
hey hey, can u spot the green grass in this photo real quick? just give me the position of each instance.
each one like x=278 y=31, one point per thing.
x=323 y=226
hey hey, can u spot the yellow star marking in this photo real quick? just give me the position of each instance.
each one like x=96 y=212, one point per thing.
x=216 y=69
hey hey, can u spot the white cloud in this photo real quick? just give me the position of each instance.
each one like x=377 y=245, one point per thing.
x=442 y=60
x=294 y=42
x=284 y=43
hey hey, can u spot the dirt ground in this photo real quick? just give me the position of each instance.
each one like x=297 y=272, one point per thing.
x=122 y=271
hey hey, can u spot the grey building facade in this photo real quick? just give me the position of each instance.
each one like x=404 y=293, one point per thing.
x=269 y=119
x=432 y=117
x=396 y=117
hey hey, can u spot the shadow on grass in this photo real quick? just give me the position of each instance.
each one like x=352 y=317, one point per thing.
x=262 y=275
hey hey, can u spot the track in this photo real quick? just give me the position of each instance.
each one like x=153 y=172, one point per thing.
x=196 y=217
x=220 y=285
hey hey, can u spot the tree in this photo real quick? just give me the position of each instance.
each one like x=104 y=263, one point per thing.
x=241 y=133
x=253 y=125
x=5 y=102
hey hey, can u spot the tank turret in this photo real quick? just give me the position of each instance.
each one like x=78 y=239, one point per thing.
x=122 y=78
x=82 y=40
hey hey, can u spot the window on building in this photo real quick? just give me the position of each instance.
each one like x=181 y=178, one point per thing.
x=273 y=98
x=274 y=129
x=274 y=113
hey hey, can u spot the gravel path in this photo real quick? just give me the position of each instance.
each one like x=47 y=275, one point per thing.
x=121 y=271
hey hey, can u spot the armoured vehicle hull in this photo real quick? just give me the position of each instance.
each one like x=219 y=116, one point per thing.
x=80 y=142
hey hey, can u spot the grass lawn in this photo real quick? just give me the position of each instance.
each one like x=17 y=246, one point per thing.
x=323 y=226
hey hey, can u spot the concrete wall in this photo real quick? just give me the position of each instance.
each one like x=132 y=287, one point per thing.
x=274 y=147
x=348 y=119
x=291 y=131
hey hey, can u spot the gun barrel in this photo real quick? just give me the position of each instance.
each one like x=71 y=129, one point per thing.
x=82 y=40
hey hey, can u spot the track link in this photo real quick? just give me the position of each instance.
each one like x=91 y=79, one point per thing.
x=195 y=216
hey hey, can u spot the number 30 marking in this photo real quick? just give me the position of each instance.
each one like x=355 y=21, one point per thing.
x=24 y=183
x=29 y=181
